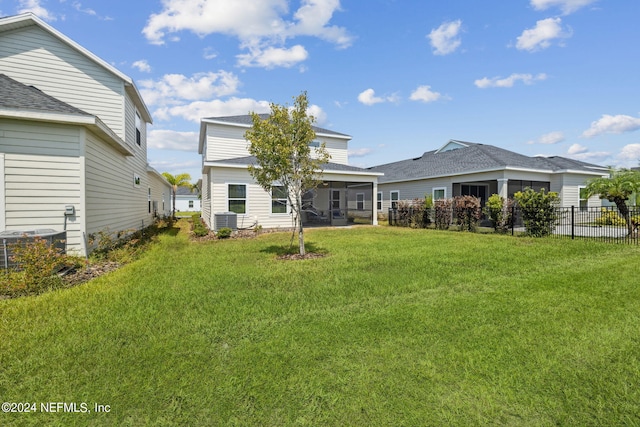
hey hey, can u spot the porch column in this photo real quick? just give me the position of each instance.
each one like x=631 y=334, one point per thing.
x=374 y=207
x=503 y=187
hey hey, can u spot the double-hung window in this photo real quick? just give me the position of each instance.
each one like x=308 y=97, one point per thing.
x=394 y=197
x=237 y=196
x=439 y=193
x=379 y=202
x=278 y=199
x=138 y=129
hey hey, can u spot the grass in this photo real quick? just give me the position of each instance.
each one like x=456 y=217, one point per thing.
x=393 y=327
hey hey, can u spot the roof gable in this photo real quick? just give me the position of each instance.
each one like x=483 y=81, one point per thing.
x=17 y=22
x=463 y=157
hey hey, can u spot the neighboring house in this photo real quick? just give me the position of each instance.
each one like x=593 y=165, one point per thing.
x=346 y=194
x=73 y=151
x=187 y=200
x=464 y=168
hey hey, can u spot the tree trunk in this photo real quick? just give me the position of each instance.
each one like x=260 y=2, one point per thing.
x=299 y=225
x=624 y=212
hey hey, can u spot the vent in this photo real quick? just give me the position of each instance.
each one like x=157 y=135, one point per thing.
x=225 y=219
x=9 y=238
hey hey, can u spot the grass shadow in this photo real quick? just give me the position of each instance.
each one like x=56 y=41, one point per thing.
x=283 y=250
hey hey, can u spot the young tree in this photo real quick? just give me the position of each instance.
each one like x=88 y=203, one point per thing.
x=617 y=188
x=284 y=157
x=180 y=180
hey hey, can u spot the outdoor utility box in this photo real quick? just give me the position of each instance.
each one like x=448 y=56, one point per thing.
x=225 y=219
x=11 y=237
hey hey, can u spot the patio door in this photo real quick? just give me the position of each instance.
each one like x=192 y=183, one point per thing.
x=337 y=205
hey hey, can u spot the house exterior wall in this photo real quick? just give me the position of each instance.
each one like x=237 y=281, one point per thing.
x=32 y=56
x=227 y=142
x=160 y=194
x=182 y=203
x=42 y=173
x=567 y=185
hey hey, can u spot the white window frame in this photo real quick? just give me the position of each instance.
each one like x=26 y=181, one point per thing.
x=358 y=195
x=137 y=180
x=286 y=201
x=246 y=197
x=392 y=201
x=379 y=201
x=580 y=200
x=138 y=136
x=433 y=193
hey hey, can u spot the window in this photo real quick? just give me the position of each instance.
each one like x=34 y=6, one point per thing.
x=379 y=201
x=149 y=199
x=360 y=201
x=136 y=180
x=278 y=199
x=237 y=196
x=335 y=199
x=190 y=204
x=394 y=197
x=138 y=129
x=584 y=200
x=315 y=144
x=439 y=193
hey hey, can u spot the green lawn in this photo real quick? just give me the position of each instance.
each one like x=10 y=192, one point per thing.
x=394 y=327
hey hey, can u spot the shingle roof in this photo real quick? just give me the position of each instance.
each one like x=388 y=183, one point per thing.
x=330 y=166
x=248 y=121
x=15 y=95
x=473 y=158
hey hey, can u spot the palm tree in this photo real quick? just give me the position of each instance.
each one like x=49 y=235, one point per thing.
x=617 y=188
x=183 y=179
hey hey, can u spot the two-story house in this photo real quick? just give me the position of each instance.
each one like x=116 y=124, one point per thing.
x=73 y=150
x=347 y=194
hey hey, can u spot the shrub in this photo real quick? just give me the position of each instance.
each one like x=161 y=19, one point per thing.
x=467 y=212
x=609 y=217
x=224 y=233
x=199 y=229
x=37 y=264
x=500 y=212
x=443 y=213
x=538 y=211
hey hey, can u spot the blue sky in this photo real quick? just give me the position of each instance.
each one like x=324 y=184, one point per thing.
x=539 y=77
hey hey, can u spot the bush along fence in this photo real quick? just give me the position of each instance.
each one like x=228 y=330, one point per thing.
x=508 y=217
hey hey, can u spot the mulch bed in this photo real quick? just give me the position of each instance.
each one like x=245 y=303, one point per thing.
x=84 y=274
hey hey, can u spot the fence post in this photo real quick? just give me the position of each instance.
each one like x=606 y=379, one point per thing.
x=573 y=222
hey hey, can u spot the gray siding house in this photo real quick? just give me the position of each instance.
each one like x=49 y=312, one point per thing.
x=465 y=168
x=72 y=134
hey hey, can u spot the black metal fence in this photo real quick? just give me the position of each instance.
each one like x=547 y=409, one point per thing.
x=601 y=223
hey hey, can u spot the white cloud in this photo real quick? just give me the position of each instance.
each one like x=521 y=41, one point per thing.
x=567 y=6
x=580 y=152
x=368 y=97
x=542 y=35
x=550 y=138
x=172 y=88
x=173 y=140
x=36 y=8
x=444 y=39
x=577 y=149
x=197 y=110
x=612 y=124
x=142 y=65
x=629 y=155
x=272 y=57
x=527 y=79
x=318 y=113
x=209 y=53
x=425 y=94
x=260 y=26
x=359 y=152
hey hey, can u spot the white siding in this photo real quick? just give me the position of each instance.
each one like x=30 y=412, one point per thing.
x=160 y=194
x=337 y=148
x=206 y=198
x=113 y=201
x=570 y=190
x=34 y=57
x=39 y=186
x=225 y=142
x=182 y=203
